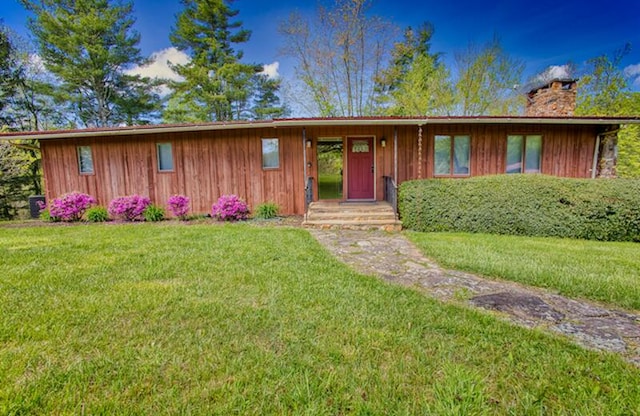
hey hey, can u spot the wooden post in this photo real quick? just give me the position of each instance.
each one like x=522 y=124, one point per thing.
x=419 y=152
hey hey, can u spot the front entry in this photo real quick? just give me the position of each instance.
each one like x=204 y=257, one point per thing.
x=360 y=168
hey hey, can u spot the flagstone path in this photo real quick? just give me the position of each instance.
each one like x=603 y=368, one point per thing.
x=392 y=257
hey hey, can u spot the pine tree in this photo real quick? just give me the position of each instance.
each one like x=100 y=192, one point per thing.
x=9 y=76
x=88 y=45
x=266 y=104
x=217 y=86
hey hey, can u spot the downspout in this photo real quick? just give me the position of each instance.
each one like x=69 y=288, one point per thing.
x=596 y=155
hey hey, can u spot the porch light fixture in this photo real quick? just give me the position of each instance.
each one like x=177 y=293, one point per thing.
x=309 y=144
x=383 y=142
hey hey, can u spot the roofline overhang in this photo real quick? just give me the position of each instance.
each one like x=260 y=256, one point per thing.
x=310 y=122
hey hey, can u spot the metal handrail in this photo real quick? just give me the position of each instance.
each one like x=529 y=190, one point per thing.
x=308 y=192
x=391 y=193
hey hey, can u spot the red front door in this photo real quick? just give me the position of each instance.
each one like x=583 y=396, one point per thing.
x=360 y=168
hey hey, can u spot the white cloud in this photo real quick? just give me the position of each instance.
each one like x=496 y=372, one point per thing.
x=559 y=71
x=158 y=66
x=35 y=62
x=633 y=71
x=271 y=70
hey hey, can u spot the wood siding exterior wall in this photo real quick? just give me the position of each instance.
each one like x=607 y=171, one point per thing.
x=208 y=164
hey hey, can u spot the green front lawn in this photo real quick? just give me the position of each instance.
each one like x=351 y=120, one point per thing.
x=602 y=271
x=203 y=319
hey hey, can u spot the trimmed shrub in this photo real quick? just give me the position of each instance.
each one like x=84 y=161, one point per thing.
x=179 y=206
x=230 y=208
x=153 y=213
x=71 y=206
x=267 y=210
x=97 y=214
x=45 y=215
x=129 y=208
x=534 y=205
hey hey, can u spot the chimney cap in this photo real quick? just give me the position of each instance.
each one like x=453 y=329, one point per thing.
x=533 y=87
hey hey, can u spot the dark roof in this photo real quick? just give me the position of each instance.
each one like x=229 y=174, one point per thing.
x=312 y=122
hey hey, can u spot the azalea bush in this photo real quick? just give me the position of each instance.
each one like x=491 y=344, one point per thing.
x=71 y=206
x=230 y=208
x=179 y=206
x=129 y=208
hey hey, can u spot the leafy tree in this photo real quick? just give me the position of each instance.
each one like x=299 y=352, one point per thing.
x=14 y=179
x=605 y=91
x=486 y=81
x=339 y=56
x=217 y=86
x=416 y=81
x=87 y=45
x=19 y=163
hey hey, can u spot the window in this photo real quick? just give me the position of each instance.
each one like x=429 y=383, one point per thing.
x=451 y=155
x=524 y=154
x=165 y=157
x=85 y=159
x=270 y=154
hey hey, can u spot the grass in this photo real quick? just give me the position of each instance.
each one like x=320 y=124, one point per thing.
x=236 y=319
x=601 y=271
x=329 y=186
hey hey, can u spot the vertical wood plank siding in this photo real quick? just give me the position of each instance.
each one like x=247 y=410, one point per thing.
x=208 y=164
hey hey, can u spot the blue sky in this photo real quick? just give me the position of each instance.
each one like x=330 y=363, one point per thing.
x=542 y=32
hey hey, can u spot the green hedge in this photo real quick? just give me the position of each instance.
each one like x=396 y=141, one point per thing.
x=533 y=205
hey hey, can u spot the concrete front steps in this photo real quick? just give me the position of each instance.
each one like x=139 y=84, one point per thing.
x=377 y=215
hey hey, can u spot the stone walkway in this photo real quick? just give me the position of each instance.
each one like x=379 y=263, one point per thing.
x=392 y=257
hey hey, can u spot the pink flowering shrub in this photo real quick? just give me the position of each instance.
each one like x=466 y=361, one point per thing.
x=70 y=207
x=130 y=208
x=230 y=208
x=179 y=206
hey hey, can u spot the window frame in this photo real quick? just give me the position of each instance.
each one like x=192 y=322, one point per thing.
x=452 y=147
x=523 y=153
x=262 y=152
x=79 y=155
x=158 y=158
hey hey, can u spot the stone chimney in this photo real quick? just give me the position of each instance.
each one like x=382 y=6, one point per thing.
x=556 y=98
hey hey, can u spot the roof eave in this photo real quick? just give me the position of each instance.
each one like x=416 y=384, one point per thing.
x=283 y=123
